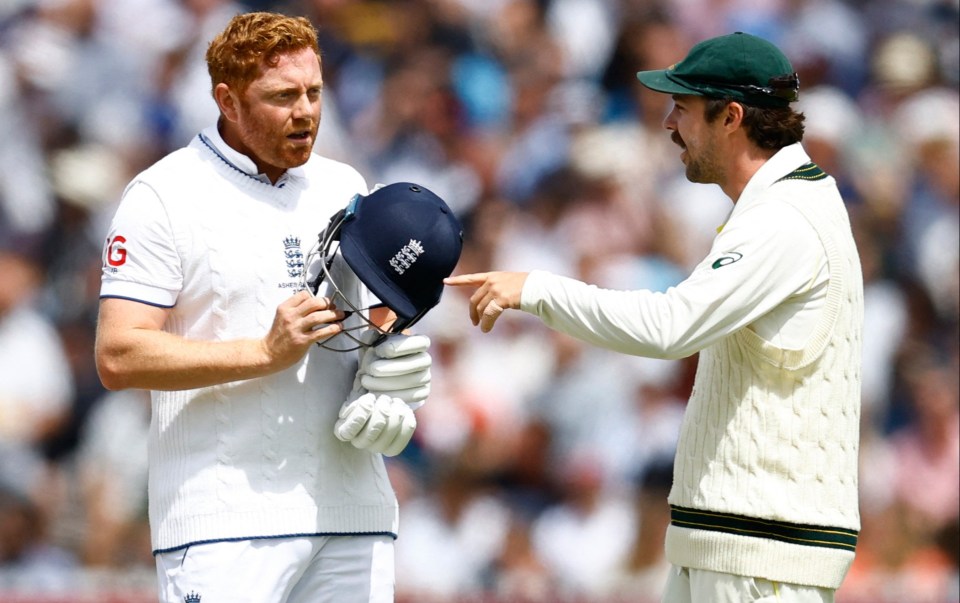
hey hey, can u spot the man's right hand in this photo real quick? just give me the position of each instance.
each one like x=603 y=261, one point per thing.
x=496 y=292
x=399 y=367
x=376 y=423
x=300 y=322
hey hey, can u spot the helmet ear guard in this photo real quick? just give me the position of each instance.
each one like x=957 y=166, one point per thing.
x=401 y=241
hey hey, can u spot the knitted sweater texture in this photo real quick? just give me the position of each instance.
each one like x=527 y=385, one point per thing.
x=765 y=478
x=765 y=474
x=254 y=458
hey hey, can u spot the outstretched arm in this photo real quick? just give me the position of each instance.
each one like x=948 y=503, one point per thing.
x=496 y=292
x=719 y=298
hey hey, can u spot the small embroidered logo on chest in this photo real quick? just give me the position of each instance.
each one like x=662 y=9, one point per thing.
x=405 y=258
x=294 y=256
x=191 y=597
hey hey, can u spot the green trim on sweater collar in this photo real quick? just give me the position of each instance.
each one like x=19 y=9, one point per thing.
x=807 y=171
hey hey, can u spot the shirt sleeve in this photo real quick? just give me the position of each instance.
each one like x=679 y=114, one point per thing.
x=140 y=259
x=764 y=257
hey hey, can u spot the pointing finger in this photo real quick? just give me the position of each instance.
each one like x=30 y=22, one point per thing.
x=467 y=280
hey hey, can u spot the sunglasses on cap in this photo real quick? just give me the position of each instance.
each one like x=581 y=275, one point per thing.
x=786 y=87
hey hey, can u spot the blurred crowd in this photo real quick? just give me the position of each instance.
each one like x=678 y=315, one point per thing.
x=541 y=466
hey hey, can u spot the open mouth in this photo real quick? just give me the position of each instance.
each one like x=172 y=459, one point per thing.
x=302 y=135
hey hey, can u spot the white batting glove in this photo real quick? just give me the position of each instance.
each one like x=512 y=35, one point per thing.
x=377 y=423
x=399 y=367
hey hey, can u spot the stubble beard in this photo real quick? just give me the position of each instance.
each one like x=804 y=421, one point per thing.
x=705 y=168
x=274 y=148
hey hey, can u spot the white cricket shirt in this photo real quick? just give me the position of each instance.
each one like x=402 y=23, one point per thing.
x=201 y=233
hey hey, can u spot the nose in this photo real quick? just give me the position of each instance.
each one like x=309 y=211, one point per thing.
x=304 y=107
x=670 y=121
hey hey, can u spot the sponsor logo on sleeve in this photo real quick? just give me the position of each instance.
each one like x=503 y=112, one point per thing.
x=726 y=259
x=115 y=252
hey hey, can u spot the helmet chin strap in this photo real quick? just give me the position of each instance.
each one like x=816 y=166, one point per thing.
x=405 y=323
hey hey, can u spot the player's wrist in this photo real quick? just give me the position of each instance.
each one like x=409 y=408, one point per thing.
x=263 y=359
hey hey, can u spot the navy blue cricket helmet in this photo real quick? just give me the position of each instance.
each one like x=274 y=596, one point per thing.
x=401 y=241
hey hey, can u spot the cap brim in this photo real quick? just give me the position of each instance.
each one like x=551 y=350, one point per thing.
x=658 y=80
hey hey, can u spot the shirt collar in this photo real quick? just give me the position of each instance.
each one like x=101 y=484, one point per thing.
x=240 y=162
x=782 y=163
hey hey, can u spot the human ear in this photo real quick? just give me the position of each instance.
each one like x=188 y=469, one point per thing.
x=227 y=101
x=733 y=115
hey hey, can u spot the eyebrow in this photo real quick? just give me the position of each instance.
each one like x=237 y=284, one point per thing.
x=283 y=87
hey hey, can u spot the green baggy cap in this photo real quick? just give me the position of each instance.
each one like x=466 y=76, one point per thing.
x=738 y=66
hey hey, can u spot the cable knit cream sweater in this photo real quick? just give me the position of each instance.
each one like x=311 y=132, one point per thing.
x=765 y=478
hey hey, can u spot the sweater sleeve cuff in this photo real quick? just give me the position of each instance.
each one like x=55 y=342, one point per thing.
x=533 y=289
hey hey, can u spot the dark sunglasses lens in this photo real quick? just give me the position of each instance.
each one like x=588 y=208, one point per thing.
x=785 y=86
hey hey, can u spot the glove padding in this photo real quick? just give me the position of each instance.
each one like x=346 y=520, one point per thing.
x=399 y=367
x=377 y=423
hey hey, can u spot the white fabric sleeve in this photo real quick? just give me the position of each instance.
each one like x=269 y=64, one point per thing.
x=766 y=256
x=140 y=259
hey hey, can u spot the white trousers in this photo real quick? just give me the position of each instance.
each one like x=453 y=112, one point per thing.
x=686 y=585
x=322 y=569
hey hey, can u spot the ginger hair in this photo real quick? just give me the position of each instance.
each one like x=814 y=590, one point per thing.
x=250 y=40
